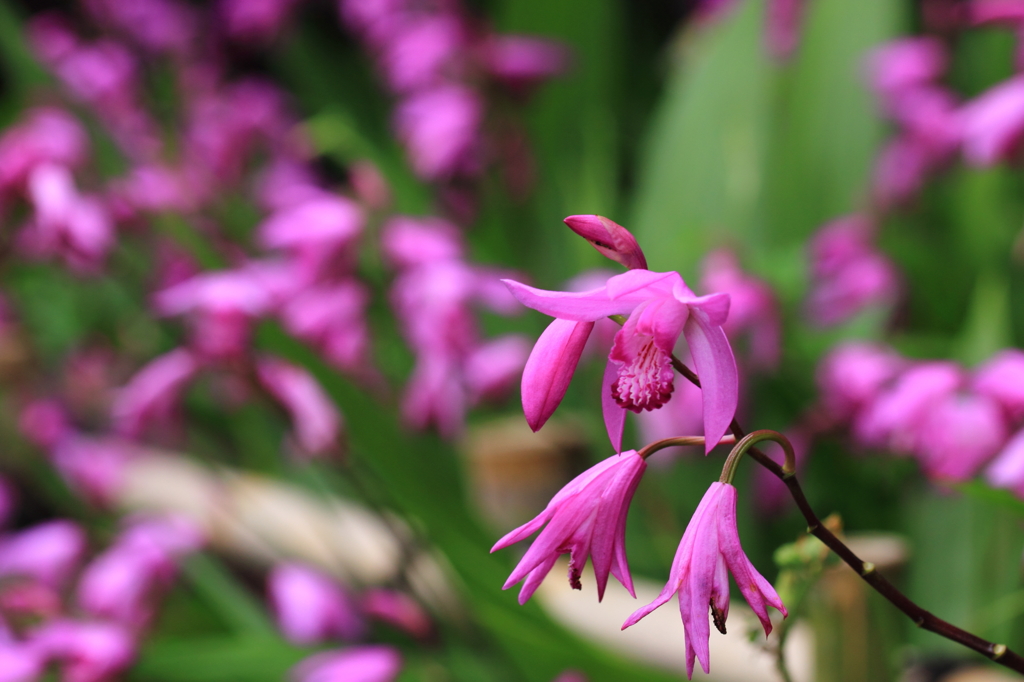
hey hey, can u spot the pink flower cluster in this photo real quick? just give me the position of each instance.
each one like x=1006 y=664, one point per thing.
x=849 y=274
x=956 y=423
x=435 y=60
x=39 y=157
x=92 y=635
x=432 y=297
x=933 y=124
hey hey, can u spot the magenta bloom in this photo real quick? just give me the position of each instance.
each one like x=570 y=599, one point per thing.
x=152 y=394
x=441 y=128
x=316 y=420
x=1002 y=377
x=853 y=374
x=753 y=309
x=397 y=609
x=376 y=663
x=711 y=546
x=639 y=375
x=48 y=552
x=1007 y=469
x=849 y=273
x=993 y=123
x=959 y=435
x=311 y=607
x=90 y=651
x=585 y=518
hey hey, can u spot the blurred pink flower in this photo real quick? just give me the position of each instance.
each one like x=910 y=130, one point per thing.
x=66 y=223
x=959 y=435
x=493 y=366
x=255 y=22
x=93 y=467
x=893 y=419
x=441 y=129
x=318 y=232
x=315 y=419
x=44 y=422
x=753 y=308
x=48 y=552
x=156 y=25
x=709 y=547
x=397 y=609
x=153 y=392
x=333 y=318
x=586 y=518
x=901 y=65
x=90 y=651
x=853 y=374
x=421 y=52
x=310 y=607
x=20 y=662
x=222 y=306
x=524 y=61
x=376 y=663
x=782 y=26
x=44 y=135
x=848 y=273
x=408 y=241
x=993 y=123
x=1007 y=469
x=1002 y=377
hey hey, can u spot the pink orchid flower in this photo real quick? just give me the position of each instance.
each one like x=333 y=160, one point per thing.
x=710 y=547
x=316 y=421
x=639 y=375
x=585 y=518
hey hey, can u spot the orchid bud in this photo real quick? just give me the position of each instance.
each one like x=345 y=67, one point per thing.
x=610 y=239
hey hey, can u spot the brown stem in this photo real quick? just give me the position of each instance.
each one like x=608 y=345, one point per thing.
x=998 y=653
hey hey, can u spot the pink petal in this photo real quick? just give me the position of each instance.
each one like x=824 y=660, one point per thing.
x=716 y=367
x=614 y=414
x=550 y=368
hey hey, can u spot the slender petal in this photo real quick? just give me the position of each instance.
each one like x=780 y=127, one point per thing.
x=716 y=367
x=614 y=414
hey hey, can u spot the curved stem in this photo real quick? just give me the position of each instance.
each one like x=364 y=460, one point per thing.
x=651 y=448
x=999 y=653
x=729 y=470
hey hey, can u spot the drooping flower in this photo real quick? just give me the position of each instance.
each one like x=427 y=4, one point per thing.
x=89 y=651
x=639 y=375
x=585 y=518
x=709 y=548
